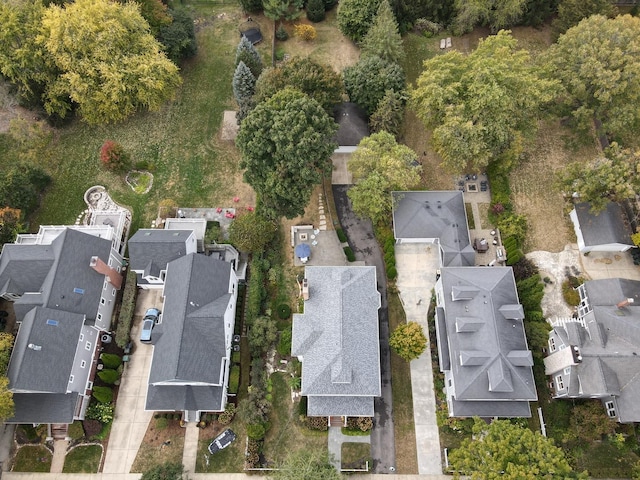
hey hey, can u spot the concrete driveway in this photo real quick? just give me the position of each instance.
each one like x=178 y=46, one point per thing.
x=365 y=247
x=417 y=264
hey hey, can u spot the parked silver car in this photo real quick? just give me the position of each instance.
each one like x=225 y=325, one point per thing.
x=151 y=317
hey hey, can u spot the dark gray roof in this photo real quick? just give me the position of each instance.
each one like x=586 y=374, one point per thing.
x=44 y=350
x=487 y=349
x=183 y=398
x=338 y=337
x=151 y=249
x=353 y=124
x=23 y=268
x=43 y=407
x=609 y=346
x=441 y=215
x=608 y=226
x=190 y=341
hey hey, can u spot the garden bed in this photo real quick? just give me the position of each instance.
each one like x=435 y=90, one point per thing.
x=163 y=442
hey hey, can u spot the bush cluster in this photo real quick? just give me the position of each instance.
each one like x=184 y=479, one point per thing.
x=569 y=292
x=305 y=32
x=254 y=449
x=103 y=394
x=341 y=235
x=284 y=344
x=387 y=240
x=114 y=157
x=102 y=412
x=111 y=360
x=316 y=423
x=127 y=308
x=364 y=424
x=226 y=417
x=257 y=292
x=351 y=257
x=501 y=212
x=109 y=376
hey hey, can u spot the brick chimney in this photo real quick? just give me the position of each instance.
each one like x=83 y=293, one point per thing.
x=625 y=303
x=112 y=274
x=305 y=289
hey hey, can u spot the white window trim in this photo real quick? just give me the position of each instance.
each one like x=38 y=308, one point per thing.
x=113 y=292
x=81 y=337
x=559 y=382
x=552 y=344
x=83 y=364
x=99 y=316
x=71 y=377
x=87 y=346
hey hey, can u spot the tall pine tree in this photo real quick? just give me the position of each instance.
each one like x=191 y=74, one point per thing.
x=244 y=86
x=248 y=54
x=383 y=38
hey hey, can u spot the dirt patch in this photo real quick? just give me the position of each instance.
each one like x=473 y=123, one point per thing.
x=9 y=109
x=534 y=190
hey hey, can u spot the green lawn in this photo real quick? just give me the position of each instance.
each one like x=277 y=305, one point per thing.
x=229 y=460
x=355 y=455
x=32 y=458
x=190 y=165
x=83 y=459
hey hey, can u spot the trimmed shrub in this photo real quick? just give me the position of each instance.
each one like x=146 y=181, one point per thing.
x=234 y=379
x=127 y=308
x=113 y=156
x=351 y=257
x=284 y=344
x=226 y=417
x=284 y=311
x=110 y=360
x=363 y=424
x=103 y=394
x=281 y=34
x=570 y=295
x=317 y=423
x=315 y=11
x=515 y=257
x=256 y=431
x=305 y=32
x=109 y=376
x=341 y=235
x=392 y=273
x=162 y=423
x=91 y=427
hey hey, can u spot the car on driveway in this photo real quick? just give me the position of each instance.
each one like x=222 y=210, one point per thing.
x=222 y=441
x=151 y=317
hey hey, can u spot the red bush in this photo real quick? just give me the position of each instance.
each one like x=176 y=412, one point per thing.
x=113 y=156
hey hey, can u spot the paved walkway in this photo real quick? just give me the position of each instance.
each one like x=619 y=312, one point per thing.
x=130 y=420
x=190 y=450
x=59 y=453
x=336 y=439
x=416 y=264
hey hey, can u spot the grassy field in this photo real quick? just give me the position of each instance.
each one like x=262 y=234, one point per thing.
x=32 y=458
x=83 y=459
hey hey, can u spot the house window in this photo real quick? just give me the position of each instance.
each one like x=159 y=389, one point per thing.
x=87 y=346
x=71 y=379
x=552 y=344
x=102 y=301
x=113 y=292
x=99 y=316
x=449 y=382
x=567 y=370
x=83 y=364
x=89 y=385
x=105 y=284
x=118 y=268
x=559 y=383
x=611 y=409
x=109 y=262
x=81 y=337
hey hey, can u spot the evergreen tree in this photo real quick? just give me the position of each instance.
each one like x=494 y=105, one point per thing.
x=244 y=83
x=248 y=54
x=251 y=6
x=315 y=10
x=367 y=81
x=383 y=38
x=389 y=114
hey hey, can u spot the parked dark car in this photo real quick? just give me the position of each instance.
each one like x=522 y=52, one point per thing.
x=150 y=320
x=222 y=441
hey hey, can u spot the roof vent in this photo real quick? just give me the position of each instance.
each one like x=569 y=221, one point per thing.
x=35 y=347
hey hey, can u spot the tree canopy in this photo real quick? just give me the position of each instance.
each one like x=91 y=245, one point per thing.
x=108 y=72
x=495 y=14
x=480 y=106
x=286 y=144
x=318 y=81
x=504 y=451
x=250 y=232
x=598 y=65
x=613 y=177
x=247 y=53
x=383 y=37
x=355 y=17
x=571 y=12
x=408 y=340
x=379 y=166
x=368 y=81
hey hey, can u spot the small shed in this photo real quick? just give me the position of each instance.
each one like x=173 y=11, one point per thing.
x=606 y=231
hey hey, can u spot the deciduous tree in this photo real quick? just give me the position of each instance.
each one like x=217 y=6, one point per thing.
x=109 y=73
x=250 y=232
x=9 y=225
x=496 y=14
x=21 y=186
x=598 y=65
x=383 y=38
x=355 y=17
x=154 y=12
x=613 y=177
x=6 y=399
x=6 y=346
x=379 y=166
x=286 y=144
x=480 y=106
x=505 y=451
x=408 y=340
x=368 y=81
x=317 y=80
x=262 y=334
x=571 y=12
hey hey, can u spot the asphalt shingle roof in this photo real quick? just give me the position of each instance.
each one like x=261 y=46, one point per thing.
x=337 y=336
x=151 y=249
x=608 y=226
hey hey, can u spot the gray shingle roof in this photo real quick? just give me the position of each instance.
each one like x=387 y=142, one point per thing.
x=23 y=268
x=427 y=215
x=490 y=363
x=353 y=124
x=337 y=336
x=44 y=350
x=183 y=398
x=609 y=346
x=608 y=226
x=43 y=408
x=190 y=341
x=152 y=249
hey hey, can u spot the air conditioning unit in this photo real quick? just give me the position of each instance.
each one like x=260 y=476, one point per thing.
x=106 y=338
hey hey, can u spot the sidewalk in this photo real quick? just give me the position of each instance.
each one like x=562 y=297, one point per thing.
x=417 y=264
x=190 y=449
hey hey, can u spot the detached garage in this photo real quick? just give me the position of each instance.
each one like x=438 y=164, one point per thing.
x=606 y=231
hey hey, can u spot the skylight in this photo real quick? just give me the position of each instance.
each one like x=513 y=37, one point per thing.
x=78 y=290
x=52 y=322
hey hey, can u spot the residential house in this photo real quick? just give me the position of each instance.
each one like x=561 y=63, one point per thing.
x=606 y=231
x=353 y=126
x=482 y=348
x=595 y=355
x=62 y=283
x=192 y=344
x=336 y=339
x=437 y=218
